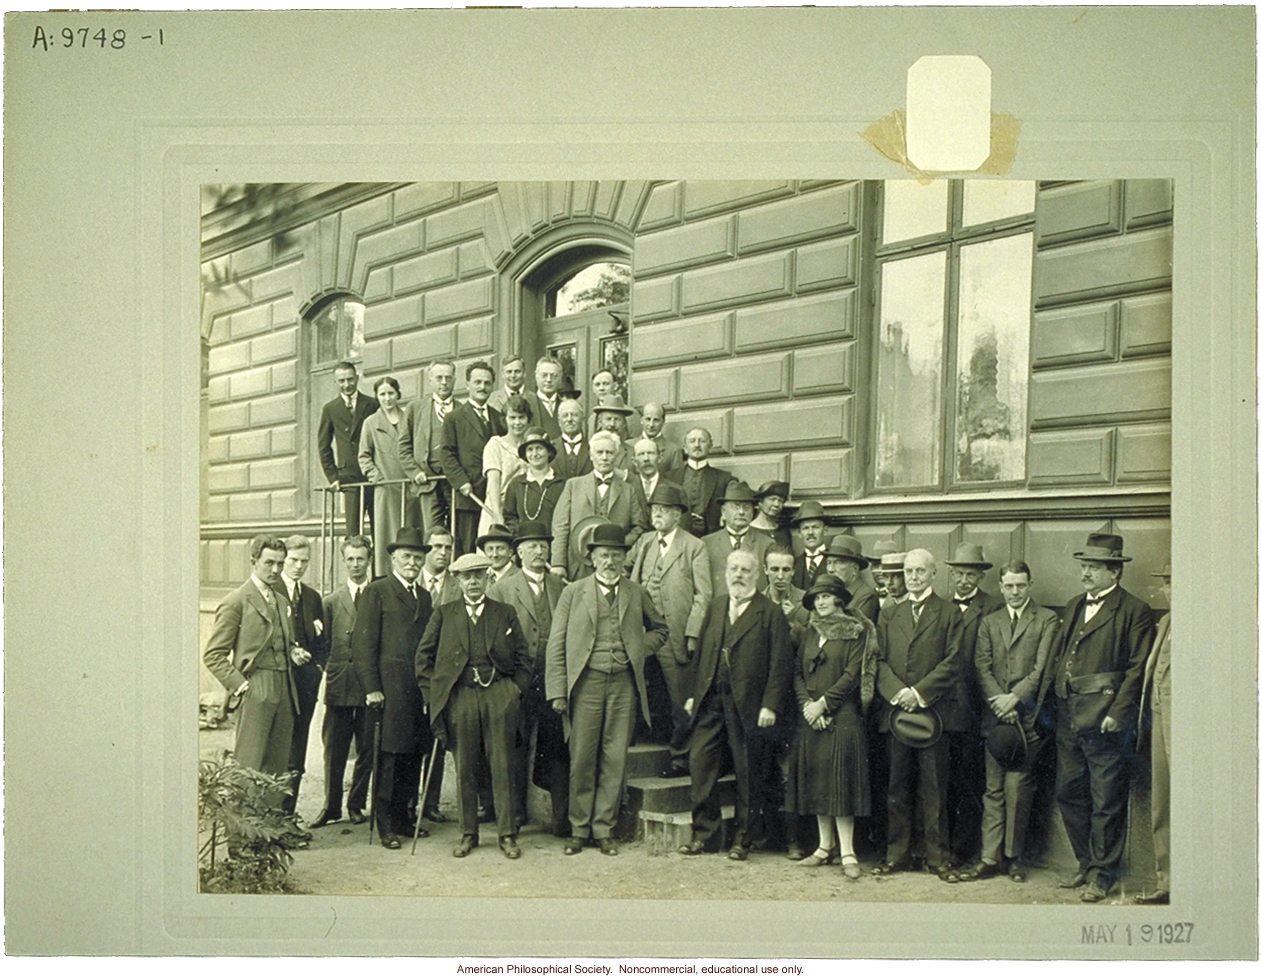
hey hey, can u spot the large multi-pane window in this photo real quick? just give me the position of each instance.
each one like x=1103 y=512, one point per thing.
x=952 y=355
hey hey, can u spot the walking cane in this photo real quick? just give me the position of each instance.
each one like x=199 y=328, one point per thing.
x=376 y=768
x=424 y=791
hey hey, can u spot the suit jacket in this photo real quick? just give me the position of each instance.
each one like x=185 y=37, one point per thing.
x=388 y=627
x=443 y=653
x=499 y=400
x=464 y=437
x=341 y=683
x=718 y=546
x=566 y=467
x=637 y=487
x=542 y=419
x=686 y=587
x=761 y=656
x=578 y=500
x=670 y=455
x=864 y=600
x=1156 y=674
x=509 y=571
x=515 y=590
x=1013 y=660
x=1118 y=639
x=450 y=590
x=707 y=517
x=312 y=637
x=569 y=646
x=340 y=429
x=798 y=617
x=805 y=580
x=420 y=437
x=925 y=657
x=243 y=628
x=982 y=604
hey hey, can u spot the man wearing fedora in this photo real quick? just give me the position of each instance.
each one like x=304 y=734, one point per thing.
x=496 y=545
x=1157 y=690
x=573 y=453
x=735 y=534
x=465 y=432
x=812 y=561
x=844 y=558
x=603 y=629
x=472 y=667
x=602 y=492
x=673 y=567
x=533 y=594
x=918 y=677
x=610 y=414
x=670 y=455
x=702 y=483
x=1013 y=646
x=392 y=615
x=1097 y=676
x=738 y=687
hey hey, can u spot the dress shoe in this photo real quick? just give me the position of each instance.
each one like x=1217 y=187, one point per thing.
x=849 y=866
x=1074 y=881
x=510 y=848
x=980 y=871
x=433 y=815
x=943 y=872
x=1093 y=893
x=692 y=848
x=796 y=853
x=608 y=847
x=358 y=818
x=419 y=832
x=324 y=818
x=673 y=771
x=820 y=857
x=738 y=853
x=888 y=869
x=573 y=845
x=466 y=845
x=391 y=841
x=1019 y=873
x=1160 y=897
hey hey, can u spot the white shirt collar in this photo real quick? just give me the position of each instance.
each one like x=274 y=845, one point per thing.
x=531 y=576
x=1020 y=610
x=263 y=589
x=667 y=539
x=921 y=597
x=548 y=476
x=1102 y=594
x=693 y=464
x=291 y=586
x=403 y=581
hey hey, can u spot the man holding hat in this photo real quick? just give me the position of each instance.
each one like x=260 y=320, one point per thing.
x=1013 y=645
x=1097 y=675
x=496 y=545
x=702 y=483
x=1156 y=691
x=812 y=561
x=737 y=515
x=472 y=666
x=673 y=567
x=532 y=494
x=844 y=559
x=393 y=612
x=603 y=629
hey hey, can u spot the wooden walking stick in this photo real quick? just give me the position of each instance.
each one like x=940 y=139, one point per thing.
x=376 y=770
x=424 y=791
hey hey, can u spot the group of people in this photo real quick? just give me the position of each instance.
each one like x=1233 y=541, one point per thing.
x=594 y=577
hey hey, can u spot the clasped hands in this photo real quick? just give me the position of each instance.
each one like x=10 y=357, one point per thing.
x=814 y=711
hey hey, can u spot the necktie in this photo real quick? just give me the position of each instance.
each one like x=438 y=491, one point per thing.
x=610 y=594
x=442 y=407
x=916 y=608
x=354 y=595
x=481 y=413
x=535 y=586
x=474 y=612
x=812 y=562
x=735 y=541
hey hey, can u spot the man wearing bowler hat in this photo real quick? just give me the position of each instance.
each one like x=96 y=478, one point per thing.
x=919 y=671
x=1097 y=676
x=812 y=561
x=603 y=629
x=472 y=666
x=844 y=558
x=393 y=612
x=735 y=534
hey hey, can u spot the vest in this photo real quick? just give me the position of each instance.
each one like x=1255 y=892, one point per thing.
x=652 y=580
x=276 y=655
x=1064 y=672
x=602 y=500
x=543 y=615
x=609 y=652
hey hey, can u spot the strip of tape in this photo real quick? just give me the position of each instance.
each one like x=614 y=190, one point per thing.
x=948 y=113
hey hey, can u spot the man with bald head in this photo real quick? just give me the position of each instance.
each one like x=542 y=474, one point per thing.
x=670 y=455
x=919 y=671
x=703 y=484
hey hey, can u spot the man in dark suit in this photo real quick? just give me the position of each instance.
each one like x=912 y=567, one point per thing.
x=670 y=455
x=844 y=558
x=392 y=615
x=545 y=404
x=738 y=688
x=737 y=514
x=533 y=594
x=250 y=651
x=307 y=611
x=345 y=713
x=472 y=667
x=1013 y=646
x=420 y=437
x=918 y=670
x=1157 y=692
x=646 y=476
x=1097 y=675
x=338 y=439
x=603 y=629
x=967 y=750
x=443 y=588
x=464 y=436
x=812 y=561
x=573 y=457
x=703 y=484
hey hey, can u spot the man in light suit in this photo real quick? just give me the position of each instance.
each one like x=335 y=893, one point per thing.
x=1097 y=675
x=703 y=484
x=603 y=629
x=345 y=712
x=420 y=443
x=533 y=594
x=307 y=611
x=514 y=384
x=602 y=492
x=918 y=670
x=251 y=651
x=464 y=436
x=737 y=689
x=341 y=421
x=670 y=455
x=1013 y=646
x=472 y=668
x=735 y=534
x=1157 y=691
x=673 y=567
x=573 y=455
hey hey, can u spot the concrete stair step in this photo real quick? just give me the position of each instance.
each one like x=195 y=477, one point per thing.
x=664 y=832
x=672 y=794
x=645 y=760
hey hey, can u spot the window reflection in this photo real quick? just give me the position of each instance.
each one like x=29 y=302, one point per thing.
x=991 y=200
x=338 y=331
x=912 y=209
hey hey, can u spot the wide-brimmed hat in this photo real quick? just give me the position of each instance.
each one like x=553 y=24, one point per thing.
x=811 y=509
x=1008 y=745
x=411 y=537
x=1164 y=573
x=879 y=549
x=667 y=494
x=826 y=584
x=581 y=533
x=608 y=535
x=892 y=563
x=915 y=728
x=569 y=393
x=969 y=555
x=469 y=562
x=1104 y=547
x=737 y=492
x=496 y=531
x=772 y=489
x=847 y=548
x=613 y=404
x=532 y=530
x=536 y=436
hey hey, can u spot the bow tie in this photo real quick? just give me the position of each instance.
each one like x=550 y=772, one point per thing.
x=1094 y=602
x=968 y=600
x=603 y=481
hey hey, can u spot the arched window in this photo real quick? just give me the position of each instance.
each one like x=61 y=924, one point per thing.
x=335 y=323
x=603 y=284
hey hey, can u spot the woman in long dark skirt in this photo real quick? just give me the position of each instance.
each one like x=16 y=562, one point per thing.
x=827 y=769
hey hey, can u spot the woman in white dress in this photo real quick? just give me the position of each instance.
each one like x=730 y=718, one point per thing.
x=500 y=461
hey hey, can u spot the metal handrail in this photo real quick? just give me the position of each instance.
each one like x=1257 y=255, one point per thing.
x=328 y=519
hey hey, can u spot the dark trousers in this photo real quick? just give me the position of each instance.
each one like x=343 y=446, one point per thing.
x=483 y=722
x=964 y=792
x=1093 y=789
x=466 y=531
x=918 y=780
x=342 y=724
x=398 y=781
x=350 y=499
x=718 y=724
x=307 y=679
